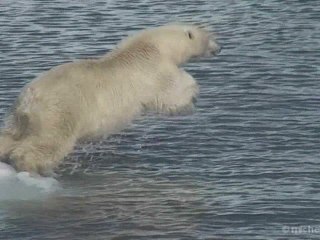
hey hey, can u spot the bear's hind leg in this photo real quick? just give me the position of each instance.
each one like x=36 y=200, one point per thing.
x=40 y=155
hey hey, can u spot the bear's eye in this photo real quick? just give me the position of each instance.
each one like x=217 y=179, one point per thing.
x=190 y=35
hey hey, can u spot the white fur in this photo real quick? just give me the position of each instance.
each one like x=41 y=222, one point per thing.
x=101 y=96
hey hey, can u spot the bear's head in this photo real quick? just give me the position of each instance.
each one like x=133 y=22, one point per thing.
x=183 y=42
x=177 y=42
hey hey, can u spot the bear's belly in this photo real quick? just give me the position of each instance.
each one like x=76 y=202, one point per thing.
x=107 y=116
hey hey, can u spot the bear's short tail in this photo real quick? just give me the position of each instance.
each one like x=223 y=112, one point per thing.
x=16 y=127
x=17 y=124
x=7 y=144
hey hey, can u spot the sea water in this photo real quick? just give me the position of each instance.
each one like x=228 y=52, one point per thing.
x=245 y=165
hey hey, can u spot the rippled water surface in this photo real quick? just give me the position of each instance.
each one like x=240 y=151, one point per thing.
x=245 y=165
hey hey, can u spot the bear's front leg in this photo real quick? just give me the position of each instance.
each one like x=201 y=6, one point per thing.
x=179 y=94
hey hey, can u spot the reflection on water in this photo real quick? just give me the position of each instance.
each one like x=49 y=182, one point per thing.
x=243 y=166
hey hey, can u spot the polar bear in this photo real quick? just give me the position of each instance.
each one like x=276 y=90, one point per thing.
x=101 y=96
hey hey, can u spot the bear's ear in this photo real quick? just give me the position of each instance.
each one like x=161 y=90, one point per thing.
x=189 y=34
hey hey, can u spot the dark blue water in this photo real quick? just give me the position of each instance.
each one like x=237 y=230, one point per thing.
x=245 y=165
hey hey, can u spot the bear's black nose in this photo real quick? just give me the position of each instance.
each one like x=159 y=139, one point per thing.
x=194 y=100
x=219 y=49
x=216 y=50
